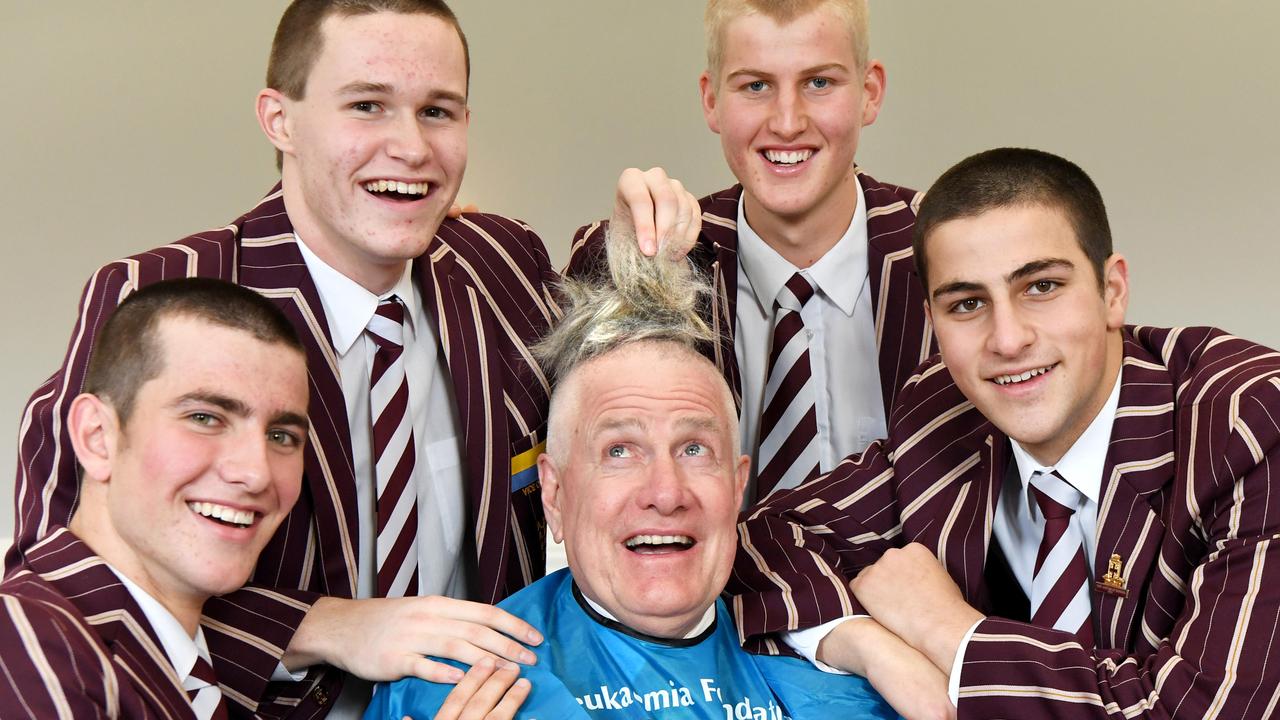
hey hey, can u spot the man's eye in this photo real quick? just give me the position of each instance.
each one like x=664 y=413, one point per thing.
x=437 y=113
x=619 y=451
x=967 y=305
x=1042 y=287
x=756 y=86
x=695 y=450
x=365 y=106
x=283 y=438
x=820 y=83
x=202 y=418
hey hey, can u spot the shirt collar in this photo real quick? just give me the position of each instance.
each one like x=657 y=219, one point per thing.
x=1084 y=461
x=347 y=304
x=767 y=271
x=179 y=647
x=708 y=617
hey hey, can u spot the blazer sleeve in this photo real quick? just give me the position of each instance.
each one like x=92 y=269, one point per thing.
x=798 y=548
x=47 y=482
x=52 y=667
x=1219 y=661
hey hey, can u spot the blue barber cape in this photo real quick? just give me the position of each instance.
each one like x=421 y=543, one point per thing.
x=591 y=667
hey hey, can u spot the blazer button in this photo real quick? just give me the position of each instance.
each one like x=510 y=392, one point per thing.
x=321 y=696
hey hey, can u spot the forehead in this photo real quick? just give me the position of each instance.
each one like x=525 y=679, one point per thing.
x=820 y=36
x=650 y=382
x=397 y=49
x=987 y=247
x=206 y=356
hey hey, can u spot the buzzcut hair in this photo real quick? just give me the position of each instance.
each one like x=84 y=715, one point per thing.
x=299 y=40
x=1016 y=177
x=127 y=351
x=719 y=13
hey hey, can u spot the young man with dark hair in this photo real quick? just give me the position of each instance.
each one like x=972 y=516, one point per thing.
x=1069 y=516
x=420 y=504
x=190 y=435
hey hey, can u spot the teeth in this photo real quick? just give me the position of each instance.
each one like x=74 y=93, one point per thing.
x=243 y=518
x=1021 y=377
x=396 y=186
x=659 y=540
x=787 y=157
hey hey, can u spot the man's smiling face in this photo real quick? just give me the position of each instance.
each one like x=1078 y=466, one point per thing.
x=789 y=105
x=1029 y=334
x=643 y=484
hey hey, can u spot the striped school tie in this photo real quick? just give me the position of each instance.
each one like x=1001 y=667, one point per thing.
x=204 y=693
x=393 y=454
x=1060 y=585
x=788 y=453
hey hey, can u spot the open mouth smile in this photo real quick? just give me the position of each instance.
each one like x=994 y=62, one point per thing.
x=222 y=514
x=1022 y=377
x=787 y=158
x=396 y=190
x=659 y=544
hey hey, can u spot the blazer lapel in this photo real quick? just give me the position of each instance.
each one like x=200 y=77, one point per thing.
x=895 y=289
x=470 y=340
x=272 y=265
x=1140 y=466
x=720 y=228
x=84 y=579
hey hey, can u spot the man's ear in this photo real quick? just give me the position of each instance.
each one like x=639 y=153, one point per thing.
x=1115 y=290
x=741 y=474
x=874 y=83
x=95 y=431
x=272 y=108
x=707 y=88
x=550 y=495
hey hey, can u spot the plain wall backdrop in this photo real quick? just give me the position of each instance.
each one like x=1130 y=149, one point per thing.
x=130 y=124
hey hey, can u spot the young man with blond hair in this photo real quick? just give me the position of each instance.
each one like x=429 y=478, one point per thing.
x=818 y=309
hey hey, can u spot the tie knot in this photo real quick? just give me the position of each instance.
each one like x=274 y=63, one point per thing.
x=201 y=676
x=795 y=293
x=1055 y=496
x=387 y=324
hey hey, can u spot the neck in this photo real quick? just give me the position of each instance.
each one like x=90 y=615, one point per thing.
x=803 y=239
x=95 y=531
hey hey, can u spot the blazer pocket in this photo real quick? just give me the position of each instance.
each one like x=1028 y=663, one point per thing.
x=524 y=461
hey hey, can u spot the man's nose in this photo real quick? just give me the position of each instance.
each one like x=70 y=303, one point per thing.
x=1011 y=332
x=790 y=116
x=667 y=490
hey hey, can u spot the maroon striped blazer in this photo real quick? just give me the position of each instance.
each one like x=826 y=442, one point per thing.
x=1189 y=502
x=76 y=645
x=484 y=279
x=903 y=334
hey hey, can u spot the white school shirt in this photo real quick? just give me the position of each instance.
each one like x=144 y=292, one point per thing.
x=840 y=321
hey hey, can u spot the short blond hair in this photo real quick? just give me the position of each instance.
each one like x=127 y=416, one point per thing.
x=719 y=13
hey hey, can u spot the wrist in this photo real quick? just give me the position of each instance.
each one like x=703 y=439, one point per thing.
x=943 y=640
x=310 y=643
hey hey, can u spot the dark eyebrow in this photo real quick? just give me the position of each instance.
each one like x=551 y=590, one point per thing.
x=292 y=418
x=1036 y=266
x=819 y=69
x=231 y=405
x=959 y=286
